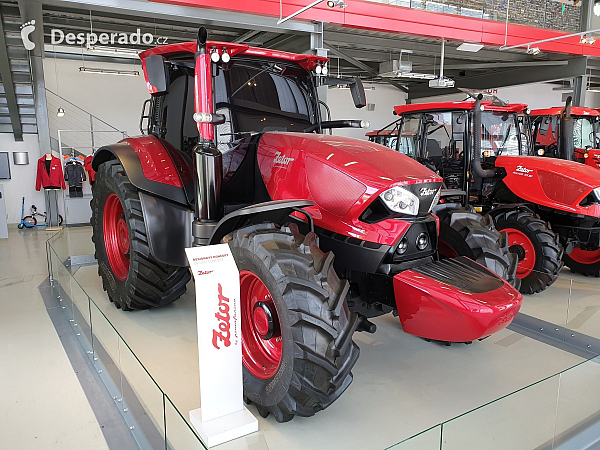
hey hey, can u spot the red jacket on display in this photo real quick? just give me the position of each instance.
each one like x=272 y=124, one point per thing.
x=52 y=179
x=88 y=168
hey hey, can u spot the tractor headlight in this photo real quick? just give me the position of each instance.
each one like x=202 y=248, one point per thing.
x=400 y=200
x=597 y=193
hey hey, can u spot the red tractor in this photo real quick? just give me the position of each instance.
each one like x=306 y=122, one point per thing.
x=233 y=152
x=549 y=208
x=582 y=133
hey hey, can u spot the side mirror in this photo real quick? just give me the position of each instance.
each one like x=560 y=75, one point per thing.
x=157 y=74
x=358 y=93
x=458 y=125
x=545 y=125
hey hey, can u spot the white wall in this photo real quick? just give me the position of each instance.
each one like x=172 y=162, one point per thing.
x=22 y=182
x=385 y=98
x=115 y=99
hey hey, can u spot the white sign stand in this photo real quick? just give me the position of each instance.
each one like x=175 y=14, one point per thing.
x=222 y=415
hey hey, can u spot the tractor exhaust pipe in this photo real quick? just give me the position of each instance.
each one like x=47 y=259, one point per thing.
x=208 y=161
x=566 y=143
x=480 y=171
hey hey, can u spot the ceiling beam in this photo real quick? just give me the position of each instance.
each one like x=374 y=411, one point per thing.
x=575 y=67
x=246 y=36
x=363 y=66
x=9 y=87
x=502 y=65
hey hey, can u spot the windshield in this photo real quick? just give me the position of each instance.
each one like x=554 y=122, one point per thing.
x=499 y=133
x=584 y=132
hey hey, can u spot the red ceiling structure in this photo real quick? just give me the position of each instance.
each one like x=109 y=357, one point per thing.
x=396 y=19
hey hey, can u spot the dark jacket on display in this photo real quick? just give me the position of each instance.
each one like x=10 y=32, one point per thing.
x=52 y=178
x=74 y=173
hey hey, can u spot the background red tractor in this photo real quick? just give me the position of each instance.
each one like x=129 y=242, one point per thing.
x=581 y=123
x=550 y=209
x=233 y=153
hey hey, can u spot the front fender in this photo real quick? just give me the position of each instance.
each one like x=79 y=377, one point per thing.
x=153 y=166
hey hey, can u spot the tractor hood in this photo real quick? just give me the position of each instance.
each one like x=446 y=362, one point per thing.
x=371 y=164
x=551 y=182
x=343 y=176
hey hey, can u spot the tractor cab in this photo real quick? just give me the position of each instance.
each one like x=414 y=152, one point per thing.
x=546 y=128
x=441 y=136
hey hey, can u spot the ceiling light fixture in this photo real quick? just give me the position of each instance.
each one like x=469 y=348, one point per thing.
x=113 y=50
x=469 y=47
x=60 y=112
x=130 y=73
x=597 y=8
x=339 y=3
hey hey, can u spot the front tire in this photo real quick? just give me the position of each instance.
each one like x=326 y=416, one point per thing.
x=297 y=347
x=130 y=275
x=536 y=246
x=466 y=233
x=585 y=262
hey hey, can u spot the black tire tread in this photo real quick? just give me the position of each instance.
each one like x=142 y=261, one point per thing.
x=320 y=373
x=550 y=263
x=489 y=246
x=150 y=283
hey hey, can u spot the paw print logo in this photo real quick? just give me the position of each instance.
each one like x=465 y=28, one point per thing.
x=26 y=29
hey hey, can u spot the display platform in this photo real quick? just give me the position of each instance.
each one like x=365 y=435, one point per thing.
x=402 y=384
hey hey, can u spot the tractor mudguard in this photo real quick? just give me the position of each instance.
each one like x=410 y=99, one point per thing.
x=168 y=229
x=454 y=300
x=274 y=212
x=153 y=166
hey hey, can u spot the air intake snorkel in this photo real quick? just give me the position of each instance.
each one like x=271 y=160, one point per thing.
x=480 y=171
x=566 y=144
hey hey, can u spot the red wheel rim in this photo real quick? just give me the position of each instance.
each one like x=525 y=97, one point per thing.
x=445 y=250
x=116 y=237
x=585 y=256
x=520 y=244
x=260 y=356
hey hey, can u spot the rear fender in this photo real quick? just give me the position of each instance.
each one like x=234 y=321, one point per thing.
x=168 y=229
x=153 y=166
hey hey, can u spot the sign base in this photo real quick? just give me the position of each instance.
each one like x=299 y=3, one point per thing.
x=225 y=428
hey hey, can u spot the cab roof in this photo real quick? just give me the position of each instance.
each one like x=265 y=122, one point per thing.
x=557 y=111
x=453 y=106
x=172 y=51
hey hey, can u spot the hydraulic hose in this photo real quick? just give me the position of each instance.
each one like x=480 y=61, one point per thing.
x=480 y=171
x=566 y=143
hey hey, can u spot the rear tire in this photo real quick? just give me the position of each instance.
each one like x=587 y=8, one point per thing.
x=29 y=221
x=526 y=230
x=584 y=262
x=315 y=352
x=466 y=233
x=136 y=280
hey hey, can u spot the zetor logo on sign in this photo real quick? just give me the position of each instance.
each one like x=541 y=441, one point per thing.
x=223 y=334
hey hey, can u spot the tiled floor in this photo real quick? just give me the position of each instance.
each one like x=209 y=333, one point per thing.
x=42 y=404
x=402 y=384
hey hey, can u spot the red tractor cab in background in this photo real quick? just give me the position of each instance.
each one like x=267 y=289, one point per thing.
x=549 y=208
x=547 y=128
x=232 y=152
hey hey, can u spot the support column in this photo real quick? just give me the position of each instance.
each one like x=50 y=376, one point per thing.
x=585 y=23
x=32 y=10
x=316 y=47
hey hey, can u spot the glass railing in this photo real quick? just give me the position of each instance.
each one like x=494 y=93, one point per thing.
x=150 y=414
x=550 y=14
x=518 y=391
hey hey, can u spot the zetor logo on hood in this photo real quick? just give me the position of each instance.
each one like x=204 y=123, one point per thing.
x=282 y=159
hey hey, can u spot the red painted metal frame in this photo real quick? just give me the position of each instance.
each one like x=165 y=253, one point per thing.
x=557 y=111
x=396 y=19
x=159 y=162
x=434 y=310
x=467 y=106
